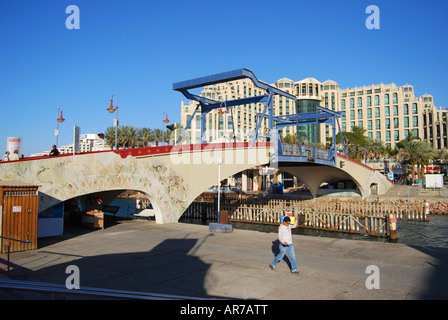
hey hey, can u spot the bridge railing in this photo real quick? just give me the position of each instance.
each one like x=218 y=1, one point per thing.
x=294 y=149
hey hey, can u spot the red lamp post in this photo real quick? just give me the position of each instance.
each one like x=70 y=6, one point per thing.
x=112 y=109
x=59 y=120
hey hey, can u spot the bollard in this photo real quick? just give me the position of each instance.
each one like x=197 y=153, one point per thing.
x=426 y=210
x=393 y=226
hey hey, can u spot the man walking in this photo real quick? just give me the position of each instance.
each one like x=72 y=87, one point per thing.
x=286 y=246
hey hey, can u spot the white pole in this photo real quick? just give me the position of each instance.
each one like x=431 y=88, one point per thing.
x=219 y=162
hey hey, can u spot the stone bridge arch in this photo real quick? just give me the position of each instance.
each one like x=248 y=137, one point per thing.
x=170 y=176
x=313 y=175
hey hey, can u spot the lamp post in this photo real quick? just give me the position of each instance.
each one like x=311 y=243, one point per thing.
x=111 y=109
x=165 y=121
x=219 y=162
x=59 y=120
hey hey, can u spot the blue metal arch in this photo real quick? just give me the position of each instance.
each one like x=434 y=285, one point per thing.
x=322 y=115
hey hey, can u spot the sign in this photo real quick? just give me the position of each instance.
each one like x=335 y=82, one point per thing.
x=14 y=143
x=434 y=181
x=76 y=138
x=17 y=209
x=390 y=176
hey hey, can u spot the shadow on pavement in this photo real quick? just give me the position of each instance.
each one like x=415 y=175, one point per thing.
x=169 y=268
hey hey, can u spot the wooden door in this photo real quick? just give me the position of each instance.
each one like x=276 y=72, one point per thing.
x=19 y=221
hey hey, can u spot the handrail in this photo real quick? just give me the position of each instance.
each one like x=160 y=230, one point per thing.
x=88 y=291
x=8 y=245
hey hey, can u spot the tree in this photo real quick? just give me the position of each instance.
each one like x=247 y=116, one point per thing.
x=109 y=137
x=157 y=136
x=354 y=140
x=144 y=135
x=129 y=137
x=416 y=153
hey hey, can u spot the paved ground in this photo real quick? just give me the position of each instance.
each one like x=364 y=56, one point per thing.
x=184 y=259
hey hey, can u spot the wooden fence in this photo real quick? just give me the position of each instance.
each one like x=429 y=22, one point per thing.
x=343 y=216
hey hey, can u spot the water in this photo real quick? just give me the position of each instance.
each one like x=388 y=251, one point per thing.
x=433 y=233
x=127 y=208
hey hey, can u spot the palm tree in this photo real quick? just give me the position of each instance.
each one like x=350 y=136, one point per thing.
x=156 y=136
x=145 y=136
x=131 y=136
x=109 y=137
x=417 y=153
x=354 y=141
x=373 y=148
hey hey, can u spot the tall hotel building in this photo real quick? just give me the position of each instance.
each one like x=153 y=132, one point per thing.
x=386 y=111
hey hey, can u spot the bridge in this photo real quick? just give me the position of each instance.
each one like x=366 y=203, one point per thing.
x=172 y=177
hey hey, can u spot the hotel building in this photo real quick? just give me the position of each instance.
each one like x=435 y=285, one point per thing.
x=386 y=111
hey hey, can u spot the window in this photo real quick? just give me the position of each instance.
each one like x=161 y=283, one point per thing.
x=395 y=122
x=352 y=114
x=396 y=136
x=352 y=103
x=386 y=99
x=415 y=121
x=359 y=114
x=369 y=124
x=414 y=108
x=395 y=111
x=377 y=124
x=387 y=135
x=359 y=102
x=343 y=104
x=387 y=123
x=369 y=113
x=377 y=112
x=378 y=135
x=394 y=98
x=406 y=122
x=369 y=101
x=386 y=111
x=377 y=100
x=405 y=109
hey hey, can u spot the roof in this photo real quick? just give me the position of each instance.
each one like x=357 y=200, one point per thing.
x=4 y=183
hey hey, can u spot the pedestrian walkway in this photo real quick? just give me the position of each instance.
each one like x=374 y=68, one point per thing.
x=188 y=260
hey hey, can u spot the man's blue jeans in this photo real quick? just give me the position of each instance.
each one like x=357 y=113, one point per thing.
x=289 y=250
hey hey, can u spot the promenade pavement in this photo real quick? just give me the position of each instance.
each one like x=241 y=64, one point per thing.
x=186 y=259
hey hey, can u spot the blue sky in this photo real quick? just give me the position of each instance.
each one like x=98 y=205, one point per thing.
x=137 y=49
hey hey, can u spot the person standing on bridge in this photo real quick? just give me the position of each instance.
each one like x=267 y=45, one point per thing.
x=6 y=156
x=286 y=246
x=54 y=151
x=15 y=155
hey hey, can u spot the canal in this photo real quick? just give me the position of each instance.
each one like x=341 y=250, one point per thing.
x=413 y=233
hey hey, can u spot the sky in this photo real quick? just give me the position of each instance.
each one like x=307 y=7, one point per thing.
x=137 y=49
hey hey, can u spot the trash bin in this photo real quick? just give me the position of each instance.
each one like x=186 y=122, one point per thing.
x=93 y=219
x=223 y=216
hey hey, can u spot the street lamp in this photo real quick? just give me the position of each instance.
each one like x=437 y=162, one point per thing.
x=219 y=162
x=59 y=120
x=165 y=121
x=111 y=109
